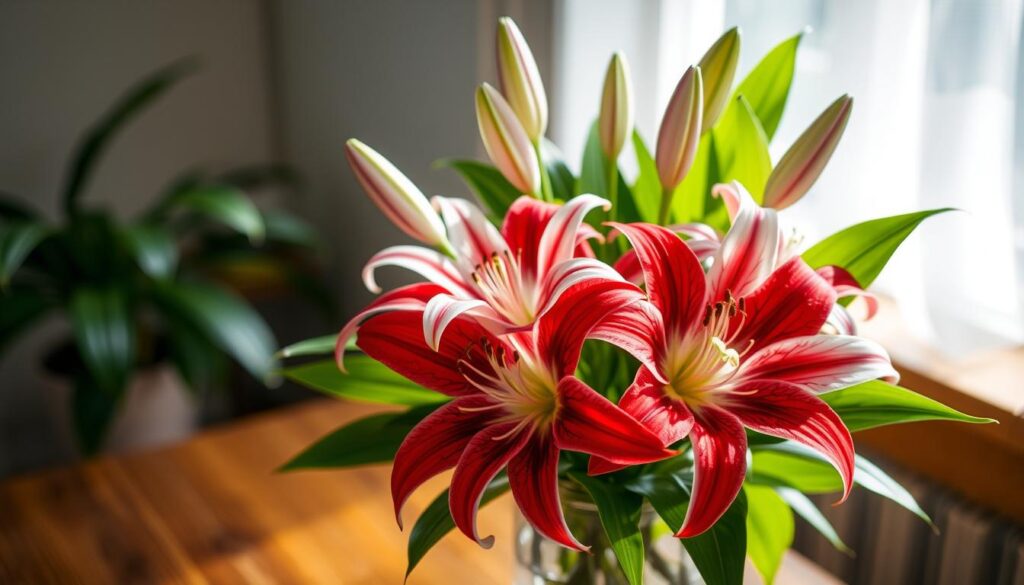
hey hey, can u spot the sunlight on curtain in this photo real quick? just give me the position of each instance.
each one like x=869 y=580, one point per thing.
x=935 y=88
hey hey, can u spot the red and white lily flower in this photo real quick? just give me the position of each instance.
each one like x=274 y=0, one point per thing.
x=515 y=404
x=505 y=279
x=715 y=362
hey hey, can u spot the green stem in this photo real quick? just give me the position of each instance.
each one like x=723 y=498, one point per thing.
x=546 y=194
x=612 y=170
x=666 y=202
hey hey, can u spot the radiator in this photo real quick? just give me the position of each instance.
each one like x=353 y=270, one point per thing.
x=894 y=547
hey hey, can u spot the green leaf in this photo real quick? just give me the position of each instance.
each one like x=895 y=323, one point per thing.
x=877 y=403
x=226 y=320
x=288 y=229
x=17 y=240
x=593 y=179
x=767 y=84
x=806 y=509
x=719 y=552
x=367 y=380
x=105 y=335
x=436 y=521
x=154 y=249
x=373 y=439
x=487 y=182
x=865 y=248
x=692 y=195
x=198 y=361
x=769 y=530
x=562 y=180
x=226 y=205
x=92 y=411
x=13 y=209
x=322 y=345
x=741 y=148
x=21 y=307
x=785 y=471
x=619 y=510
x=647 y=189
x=98 y=138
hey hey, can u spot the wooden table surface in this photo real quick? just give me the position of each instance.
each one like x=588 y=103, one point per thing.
x=211 y=510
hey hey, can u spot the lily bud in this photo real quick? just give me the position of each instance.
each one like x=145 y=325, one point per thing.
x=718 y=67
x=506 y=141
x=806 y=159
x=520 y=80
x=616 y=119
x=679 y=134
x=400 y=200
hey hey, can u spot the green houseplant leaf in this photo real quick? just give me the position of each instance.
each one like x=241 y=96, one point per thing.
x=619 y=510
x=593 y=179
x=769 y=529
x=436 y=521
x=562 y=180
x=367 y=380
x=154 y=249
x=373 y=439
x=92 y=410
x=227 y=321
x=21 y=307
x=806 y=509
x=486 y=182
x=17 y=240
x=865 y=248
x=132 y=103
x=741 y=148
x=322 y=345
x=647 y=189
x=767 y=85
x=226 y=205
x=877 y=403
x=104 y=329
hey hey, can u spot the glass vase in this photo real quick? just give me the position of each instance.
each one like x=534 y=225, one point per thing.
x=540 y=561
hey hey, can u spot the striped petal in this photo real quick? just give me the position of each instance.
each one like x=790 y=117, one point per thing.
x=484 y=456
x=435 y=445
x=471 y=234
x=588 y=423
x=570 y=273
x=676 y=282
x=820 y=363
x=793 y=302
x=637 y=328
x=429 y=264
x=749 y=251
x=523 y=227
x=533 y=477
x=784 y=410
x=443 y=309
x=407 y=298
x=559 y=239
x=719 y=466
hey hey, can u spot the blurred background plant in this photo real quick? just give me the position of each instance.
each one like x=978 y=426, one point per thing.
x=162 y=287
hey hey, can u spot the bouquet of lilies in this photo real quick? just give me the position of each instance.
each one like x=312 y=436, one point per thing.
x=664 y=342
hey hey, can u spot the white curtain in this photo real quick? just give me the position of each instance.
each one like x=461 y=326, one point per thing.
x=935 y=124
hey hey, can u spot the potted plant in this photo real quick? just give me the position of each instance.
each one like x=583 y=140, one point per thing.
x=658 y=388
x=145 y=293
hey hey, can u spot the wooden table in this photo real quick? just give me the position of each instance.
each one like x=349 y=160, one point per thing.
x=211 y=510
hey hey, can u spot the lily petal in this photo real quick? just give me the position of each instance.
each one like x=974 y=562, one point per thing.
x=628 y=265
x=523 y=227
x=533 y=477
x=794 y=301
x=561 y=331
x=588 y=423
x=559 y=240
x=639 y=329
x=474 y=238
x=847 y=286
x=749 y=251
x=820 y=363
x=435 y=445
x=443 y=309
x=429 y=264
x=396 y=340
x=839 y=322
x=570 y=273
x=720 y=464
x=407 y=298
x=485 y=455
x=781 y=409
x=675 y=279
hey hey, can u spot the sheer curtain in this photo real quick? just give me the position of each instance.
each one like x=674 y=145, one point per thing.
x=936 y=123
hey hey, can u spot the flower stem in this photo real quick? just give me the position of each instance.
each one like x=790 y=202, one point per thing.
x=666 y=201
x=612 y=170
x=546 y=193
